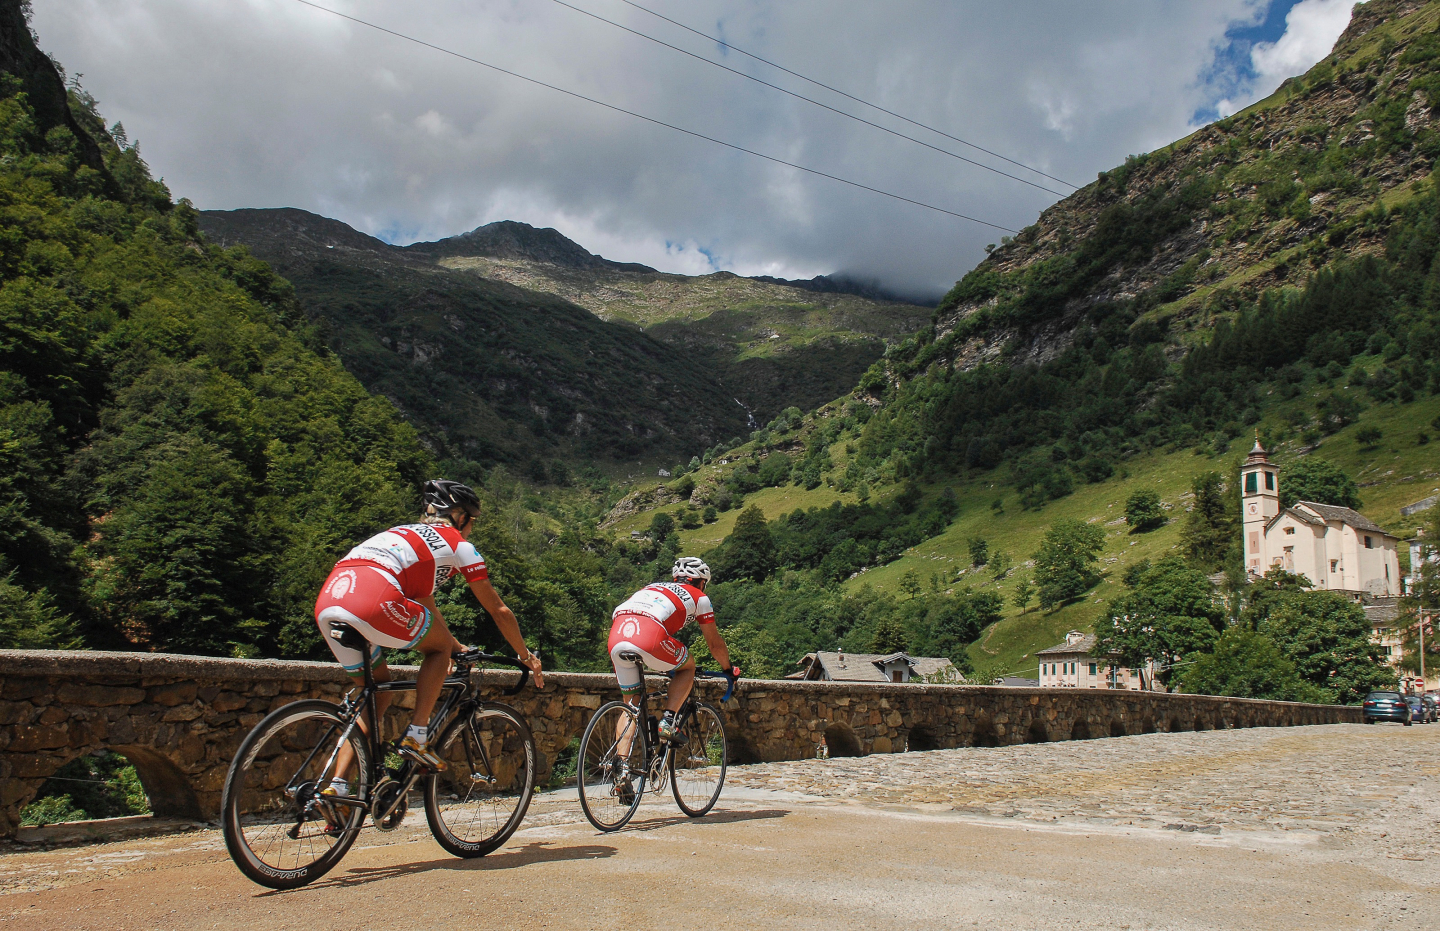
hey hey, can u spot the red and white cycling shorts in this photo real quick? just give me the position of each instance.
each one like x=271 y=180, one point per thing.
x=640 y=633
x=370 y=600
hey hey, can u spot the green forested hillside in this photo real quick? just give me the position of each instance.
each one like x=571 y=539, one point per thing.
x=178 y=458
x=488 y=372
x=1274 y=272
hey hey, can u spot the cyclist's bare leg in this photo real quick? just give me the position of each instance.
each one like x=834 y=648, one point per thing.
x=345 y=760
x=437 y=646
x=681 y=681
x=624 y=733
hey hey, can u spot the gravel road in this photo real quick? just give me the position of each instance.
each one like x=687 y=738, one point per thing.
x=1305 y=828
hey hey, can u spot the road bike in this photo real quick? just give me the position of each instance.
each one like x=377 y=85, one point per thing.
x=283 y=833
x=621 y=755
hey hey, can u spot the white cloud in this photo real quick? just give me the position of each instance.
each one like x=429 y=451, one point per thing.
x=270 y=103
x=1311 y=28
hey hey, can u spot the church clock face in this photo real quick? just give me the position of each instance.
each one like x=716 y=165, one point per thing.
x=1253 y=509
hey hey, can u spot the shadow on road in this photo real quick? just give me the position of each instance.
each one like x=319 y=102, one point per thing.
x=715 y=817
x=534 y=852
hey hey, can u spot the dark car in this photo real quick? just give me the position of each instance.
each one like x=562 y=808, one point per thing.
x=1432 y=708
x=1417 y=708
x=1386 y=706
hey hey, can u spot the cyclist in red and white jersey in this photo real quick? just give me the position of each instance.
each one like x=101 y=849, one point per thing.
x=647 y=622
x=385 y=589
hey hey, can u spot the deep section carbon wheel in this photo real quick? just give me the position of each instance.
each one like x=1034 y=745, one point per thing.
x=480 y=799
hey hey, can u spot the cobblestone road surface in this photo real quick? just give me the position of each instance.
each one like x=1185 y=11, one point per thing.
x=1305 y=828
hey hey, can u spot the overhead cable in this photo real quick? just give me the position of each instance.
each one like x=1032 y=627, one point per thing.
x=650 y=119
x=810 y=100
x=874 y=106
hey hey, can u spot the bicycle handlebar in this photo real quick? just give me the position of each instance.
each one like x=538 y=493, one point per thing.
x=471 y=657
x=717 y=674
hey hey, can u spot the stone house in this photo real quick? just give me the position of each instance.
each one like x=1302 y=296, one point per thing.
x=871 y=667
x=1072 y=664
x=1336 y=548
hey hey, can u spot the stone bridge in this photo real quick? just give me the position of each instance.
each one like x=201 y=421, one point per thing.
x=179 y=719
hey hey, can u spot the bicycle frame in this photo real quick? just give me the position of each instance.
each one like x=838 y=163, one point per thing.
x=655 y=765
x=455 y=696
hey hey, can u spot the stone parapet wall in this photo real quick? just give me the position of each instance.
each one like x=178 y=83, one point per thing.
x=179 y=719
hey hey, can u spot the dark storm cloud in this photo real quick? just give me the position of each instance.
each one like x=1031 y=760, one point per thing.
x=269 y=103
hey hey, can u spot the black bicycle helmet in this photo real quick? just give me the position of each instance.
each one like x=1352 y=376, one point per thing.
x=443 y=496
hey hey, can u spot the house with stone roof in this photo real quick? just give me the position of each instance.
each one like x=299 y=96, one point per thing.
x=1073 y=664
x=871 y=667
x=1336 y=548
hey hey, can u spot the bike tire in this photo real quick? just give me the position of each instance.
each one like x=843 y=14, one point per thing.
x=697 y=769
x=605 y=805
x=491 y=742
x=257 y=814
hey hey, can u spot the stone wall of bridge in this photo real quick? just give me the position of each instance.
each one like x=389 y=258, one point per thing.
x=179 y=719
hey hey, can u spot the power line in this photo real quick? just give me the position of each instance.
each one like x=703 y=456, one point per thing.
x=810 y=100
x=651 y=119
x=874 y=106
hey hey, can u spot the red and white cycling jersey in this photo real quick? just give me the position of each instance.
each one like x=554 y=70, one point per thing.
x=421 y=556
x=673 y=604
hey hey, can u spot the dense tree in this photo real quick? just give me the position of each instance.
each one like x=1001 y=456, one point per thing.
x=1324 y=634
x=1144 y=511
x=1169 y=615
x=1248 y=664
x=1318 y=480
x=1067 y=563
x=889 y=637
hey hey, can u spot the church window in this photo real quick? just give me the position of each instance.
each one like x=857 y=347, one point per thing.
x=1290 y=531
x=1254 y=541
x=1269 y=481
x=1252 y=483
x=1333 y=563
x=1369 y=543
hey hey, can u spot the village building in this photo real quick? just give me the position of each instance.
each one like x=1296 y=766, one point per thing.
x=1073 y=664
x=1336 y=548
x=874 y=667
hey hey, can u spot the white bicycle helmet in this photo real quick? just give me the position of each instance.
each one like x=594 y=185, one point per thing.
x=690 y=567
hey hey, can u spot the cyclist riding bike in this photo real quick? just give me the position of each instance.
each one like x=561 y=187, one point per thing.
x=385 y=589
x=646 y=624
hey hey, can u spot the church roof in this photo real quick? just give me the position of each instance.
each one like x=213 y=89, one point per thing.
x=1345 y=516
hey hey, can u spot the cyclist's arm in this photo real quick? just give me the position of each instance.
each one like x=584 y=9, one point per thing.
x=718 y=648
x=509 y=627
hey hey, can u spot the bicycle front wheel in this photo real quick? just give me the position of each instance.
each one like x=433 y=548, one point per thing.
x=611 y=766
x=480 y=799
x=277 y=827
x=697 y=769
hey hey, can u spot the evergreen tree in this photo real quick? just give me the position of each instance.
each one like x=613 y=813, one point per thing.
x=1209 y=533
x=749 y=551
x=889 y=638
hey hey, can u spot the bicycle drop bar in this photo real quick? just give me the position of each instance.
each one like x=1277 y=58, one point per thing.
x=471 y=657
x=716 y=674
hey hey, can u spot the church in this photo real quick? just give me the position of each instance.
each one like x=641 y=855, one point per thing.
x=1335 y=547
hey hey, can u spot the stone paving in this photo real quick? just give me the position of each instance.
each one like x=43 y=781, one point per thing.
x=1332 y=779
x=1328 y=827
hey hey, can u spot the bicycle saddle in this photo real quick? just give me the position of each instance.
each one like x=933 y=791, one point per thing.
x=630 y=656
x=348 y=636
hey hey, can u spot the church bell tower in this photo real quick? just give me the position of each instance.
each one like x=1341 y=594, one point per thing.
x=1259 y=501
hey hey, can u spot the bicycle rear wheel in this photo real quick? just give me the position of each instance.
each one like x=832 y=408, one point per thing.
x=480 y=799
x=277 y=829
x=697 y=770
x=611 y=766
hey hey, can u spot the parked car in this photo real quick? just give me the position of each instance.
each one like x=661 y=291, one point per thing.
x=1432 y=708
x=1386 y=706
x=1417 y=709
